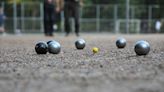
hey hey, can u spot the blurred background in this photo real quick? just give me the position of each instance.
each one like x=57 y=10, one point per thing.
x=114 y=16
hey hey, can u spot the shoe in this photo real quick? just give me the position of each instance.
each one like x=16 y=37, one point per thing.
x=46 y=34
x=77 y=34
x=51 y=35
x=67 y=34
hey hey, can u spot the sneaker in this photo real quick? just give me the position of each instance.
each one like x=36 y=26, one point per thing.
x=51 y=35
x=46 y=34
x=77 y=34
x=67 y=34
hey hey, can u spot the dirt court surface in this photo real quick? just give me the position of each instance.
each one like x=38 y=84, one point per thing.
x=110 y=70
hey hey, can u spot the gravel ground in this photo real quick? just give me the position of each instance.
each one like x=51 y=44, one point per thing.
x=110 y=70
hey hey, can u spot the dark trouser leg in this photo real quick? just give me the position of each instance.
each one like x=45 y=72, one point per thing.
x=67 y=25
x=48 y=23
x=67 y=16
x=76 y=18
x=52 y=22
x=76 y=25
x=46 y=27
x=50 y=28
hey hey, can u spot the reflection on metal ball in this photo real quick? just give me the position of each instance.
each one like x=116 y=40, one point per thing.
x=121 y=43
x=54 y=47
x=142 y=48
x=80 y=44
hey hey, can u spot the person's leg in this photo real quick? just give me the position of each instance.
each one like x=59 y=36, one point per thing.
x=46 y=23
x=51 y=23
x=67 y=16
x=51 y=29
x=1 y=29
x=46 y=28
x=76 y=18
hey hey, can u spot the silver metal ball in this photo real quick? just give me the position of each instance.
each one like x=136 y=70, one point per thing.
x=80 y=44
x=121 y=43
x=142 y=48
x=54 y=47
x=53 y=41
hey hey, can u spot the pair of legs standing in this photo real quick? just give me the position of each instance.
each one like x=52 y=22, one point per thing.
x=71 y=9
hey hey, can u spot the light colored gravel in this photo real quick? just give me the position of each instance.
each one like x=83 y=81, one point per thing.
x=110 y=70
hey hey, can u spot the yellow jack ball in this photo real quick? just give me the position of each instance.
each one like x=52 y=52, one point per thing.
x=95 y=49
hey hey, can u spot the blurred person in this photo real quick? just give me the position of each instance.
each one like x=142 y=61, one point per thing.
x=2 y=21
x=144 y=26
x=49 y=17
x=72 y=9
x=158 y=25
